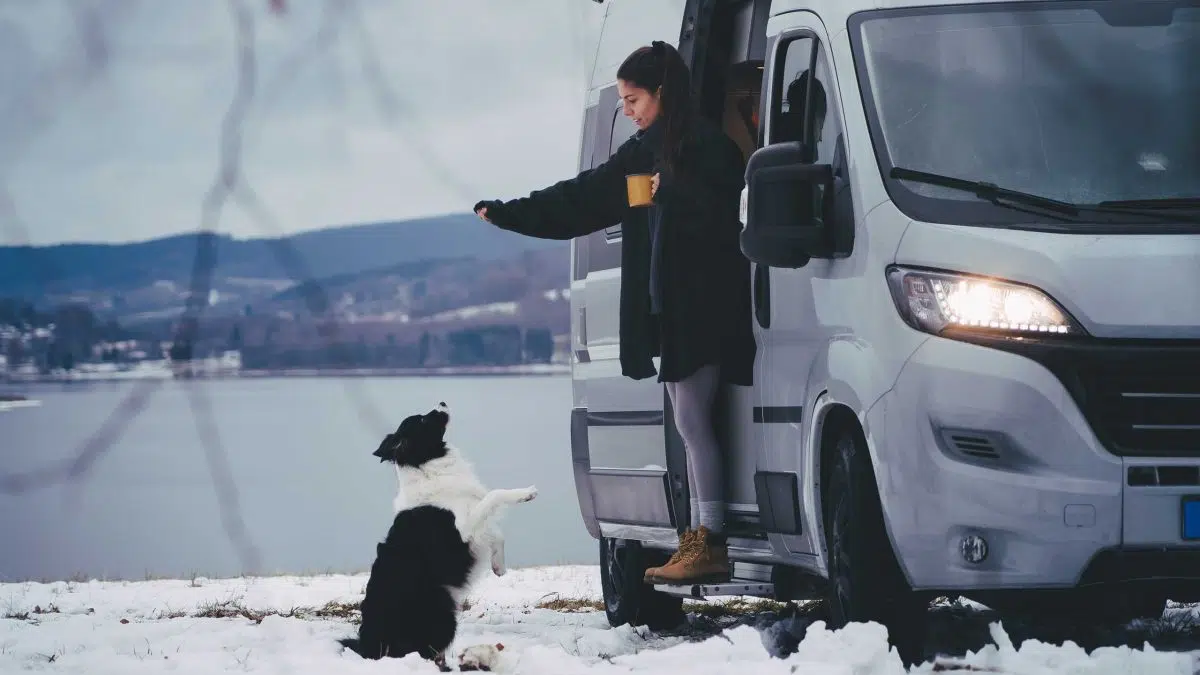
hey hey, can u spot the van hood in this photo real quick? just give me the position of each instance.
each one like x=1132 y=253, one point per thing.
x=1116 y=286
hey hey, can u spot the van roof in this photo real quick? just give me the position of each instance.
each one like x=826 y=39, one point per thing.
x=628 y=24
x=837 y=12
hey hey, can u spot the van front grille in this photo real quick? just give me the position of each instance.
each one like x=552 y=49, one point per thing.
x=1145 y=407
x=1140 y=397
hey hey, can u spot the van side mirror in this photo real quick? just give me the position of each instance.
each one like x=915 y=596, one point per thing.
x=789 y=206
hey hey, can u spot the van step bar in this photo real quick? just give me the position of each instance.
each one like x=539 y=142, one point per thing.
x=750 y=587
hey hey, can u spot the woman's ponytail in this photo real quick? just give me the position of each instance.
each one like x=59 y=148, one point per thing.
x=660 y=68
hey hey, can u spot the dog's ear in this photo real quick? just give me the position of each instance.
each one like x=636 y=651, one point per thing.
x=389 y=449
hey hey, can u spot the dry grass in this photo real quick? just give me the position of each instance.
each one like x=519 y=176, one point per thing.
x=235 y=608
x=736 y=607
x=230 y=609
x=571 y=605
x=27 y=615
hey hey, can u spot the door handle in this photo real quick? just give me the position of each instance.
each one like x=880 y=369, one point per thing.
x=762 y=295
x=581 y=350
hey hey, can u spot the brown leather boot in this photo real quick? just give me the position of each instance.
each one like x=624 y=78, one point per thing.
x=685 y=543
x=705 y=561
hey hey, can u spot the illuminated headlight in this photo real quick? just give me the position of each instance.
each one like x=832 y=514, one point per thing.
x=935 y=301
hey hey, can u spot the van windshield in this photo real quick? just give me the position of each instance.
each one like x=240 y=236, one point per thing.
x=1084 y=103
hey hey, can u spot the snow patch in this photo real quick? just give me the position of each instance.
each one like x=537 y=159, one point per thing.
x=117 y=628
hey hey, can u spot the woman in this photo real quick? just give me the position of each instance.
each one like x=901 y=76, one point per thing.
x=685 y=285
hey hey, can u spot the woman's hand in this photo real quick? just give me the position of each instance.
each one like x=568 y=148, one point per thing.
x=481 y=211
x=653 y=185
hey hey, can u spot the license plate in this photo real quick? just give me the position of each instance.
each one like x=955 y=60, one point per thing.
x=1190 y=518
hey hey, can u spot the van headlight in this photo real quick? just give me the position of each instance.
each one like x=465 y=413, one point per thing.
x=935 y=301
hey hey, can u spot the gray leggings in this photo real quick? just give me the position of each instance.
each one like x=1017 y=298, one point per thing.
x=692 y=398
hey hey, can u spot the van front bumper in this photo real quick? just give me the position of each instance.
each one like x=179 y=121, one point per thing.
x=978 y=444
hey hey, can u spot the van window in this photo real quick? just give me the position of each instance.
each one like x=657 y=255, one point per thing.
x=604 y=251
x=826 y=115
x=788 y=90
x=622 y=129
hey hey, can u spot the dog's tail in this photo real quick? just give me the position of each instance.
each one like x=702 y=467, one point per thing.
x=355 y=645
x=369 y=649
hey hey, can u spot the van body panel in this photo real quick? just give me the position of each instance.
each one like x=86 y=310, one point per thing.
x=1152 y=515
x=979 y=441
x=1116 y=286
x=629 y=25
x=818 y=344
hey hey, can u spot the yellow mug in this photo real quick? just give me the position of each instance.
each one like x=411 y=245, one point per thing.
x=637 y=185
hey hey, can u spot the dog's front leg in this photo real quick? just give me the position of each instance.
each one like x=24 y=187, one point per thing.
x=480 y=516
x=497 y=545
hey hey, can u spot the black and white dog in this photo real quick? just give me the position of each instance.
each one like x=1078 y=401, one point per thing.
x=443 y=532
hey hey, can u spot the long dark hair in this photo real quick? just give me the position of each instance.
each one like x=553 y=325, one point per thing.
x=660 y=65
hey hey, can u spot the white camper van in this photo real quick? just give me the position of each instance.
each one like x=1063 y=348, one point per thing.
x=976 y=295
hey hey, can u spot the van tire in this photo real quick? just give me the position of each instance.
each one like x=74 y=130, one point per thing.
x=865 y=580
x=627 y=598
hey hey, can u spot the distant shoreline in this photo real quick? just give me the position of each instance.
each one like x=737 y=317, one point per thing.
x=12 y=398
x=448 y=371
x=524 y=370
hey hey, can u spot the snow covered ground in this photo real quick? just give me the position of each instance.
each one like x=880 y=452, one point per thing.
x=546 y=618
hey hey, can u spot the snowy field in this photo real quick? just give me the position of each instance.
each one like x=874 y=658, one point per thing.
x=546 y=618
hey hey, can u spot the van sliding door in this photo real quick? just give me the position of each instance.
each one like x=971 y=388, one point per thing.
x=629 y=470
x=626 y=448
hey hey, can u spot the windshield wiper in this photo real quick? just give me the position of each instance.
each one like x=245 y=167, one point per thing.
x=1164 y=203
x=990 y=192
x=1066 y=211
x=1165 y=209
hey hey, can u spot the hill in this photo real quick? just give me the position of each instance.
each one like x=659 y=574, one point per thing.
x=424 y=293
x=146 y=280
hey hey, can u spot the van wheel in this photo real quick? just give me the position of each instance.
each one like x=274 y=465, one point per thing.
x=865 y=580
x=627 y=598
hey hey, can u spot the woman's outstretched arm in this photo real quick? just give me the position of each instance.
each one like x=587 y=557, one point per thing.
x=591 y=201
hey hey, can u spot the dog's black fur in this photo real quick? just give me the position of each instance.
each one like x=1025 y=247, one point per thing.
x=408 y=606
x=418 y=439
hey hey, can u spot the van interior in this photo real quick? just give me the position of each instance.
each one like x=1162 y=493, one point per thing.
x=728 y=78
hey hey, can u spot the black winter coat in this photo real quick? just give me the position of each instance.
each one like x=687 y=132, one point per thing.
x=704 y=278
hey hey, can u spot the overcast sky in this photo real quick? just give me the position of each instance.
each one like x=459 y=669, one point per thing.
x=115 y=136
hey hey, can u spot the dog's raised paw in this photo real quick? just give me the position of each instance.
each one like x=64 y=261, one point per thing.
x=480 y=657
x=530 y=493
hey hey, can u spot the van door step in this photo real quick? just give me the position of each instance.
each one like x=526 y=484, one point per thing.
x=732 y=587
